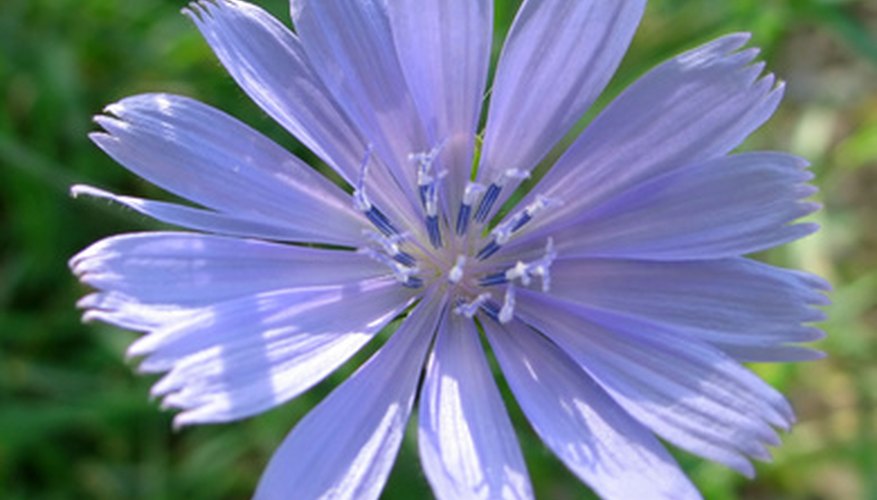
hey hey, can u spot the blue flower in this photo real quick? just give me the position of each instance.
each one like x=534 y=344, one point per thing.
x=614 y=294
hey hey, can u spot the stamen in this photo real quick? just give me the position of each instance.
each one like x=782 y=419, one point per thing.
x=487 y=202
x=427 y=184
x=472 y=190
x=520 y=271
x=404 y=274
x=434 y=231
x=488 y=250
x=390 y=244
x=456 y=272
x=491 y=309
x=542 y=266
x=380 y=221
x=424 y=164
x=494 y=279
x=492 y=193
x=364 y=205
x=504 y=231
x=469 y=309
x=413 y=282
x=405 y=258
x=508 y=306
x=525 y=271
x=541 y=203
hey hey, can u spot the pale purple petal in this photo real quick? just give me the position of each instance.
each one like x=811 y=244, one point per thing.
x=687 y=392
x=194 y=269
x=345 y=447
x=199 y=219
x=558 y=58
x=748 y=309
x=208 y=157
x=237 y=358
x=269 y=63
x=444 y=51
x=468 y=447
x=120 y=310
x=592 y=435
x=697 y=106
x=775 y=353
x=724 y=207
x=351 y=47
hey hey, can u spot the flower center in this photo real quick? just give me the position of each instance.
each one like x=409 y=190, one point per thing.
x=464 y=265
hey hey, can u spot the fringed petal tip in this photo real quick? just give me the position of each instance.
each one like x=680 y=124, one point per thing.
x=91 y=316
x=211 y=159
x=78 y=190
x=78 y=262
x=187 y=419
x=710 y=51
x=729 y=416
x=195 y=10
x=235 y=358
x=818 y=283
x=203 y=11
x=83 y=190
x=725 y=207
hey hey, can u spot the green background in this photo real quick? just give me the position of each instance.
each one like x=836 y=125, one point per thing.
x=76 y=421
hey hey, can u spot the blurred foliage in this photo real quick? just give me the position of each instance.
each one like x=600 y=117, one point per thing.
x=75 y=420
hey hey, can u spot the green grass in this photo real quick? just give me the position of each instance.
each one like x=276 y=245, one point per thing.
x=76 y=422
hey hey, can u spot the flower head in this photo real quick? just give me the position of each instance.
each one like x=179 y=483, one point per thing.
x=614 y=295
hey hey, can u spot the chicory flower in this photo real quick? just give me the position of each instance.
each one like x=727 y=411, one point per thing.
x=614 y=294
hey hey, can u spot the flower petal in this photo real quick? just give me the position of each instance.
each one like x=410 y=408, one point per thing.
x=351 y=47
x=444 y=51
x=697 y=106
x=269 y=63
x=237 y=358
x=208 y=157
x=117 y=309
x=345 y=447
x=194 y=269
x=725 y=207
x=684 y=390
x=266 y=59
x=467 y=444
x=591 y=434
x=731 y=304
x=558 y=58
x=196 y=218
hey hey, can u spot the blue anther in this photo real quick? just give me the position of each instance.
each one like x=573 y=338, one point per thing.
x=463 y=218
x=413 y=282
x=488 y=250
x=380 y=221
x=491 y=309
x=424 y=190
x=522 y=219
x=405 y=258
x=494 y=279
x=490 y=197
x=435 y=232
